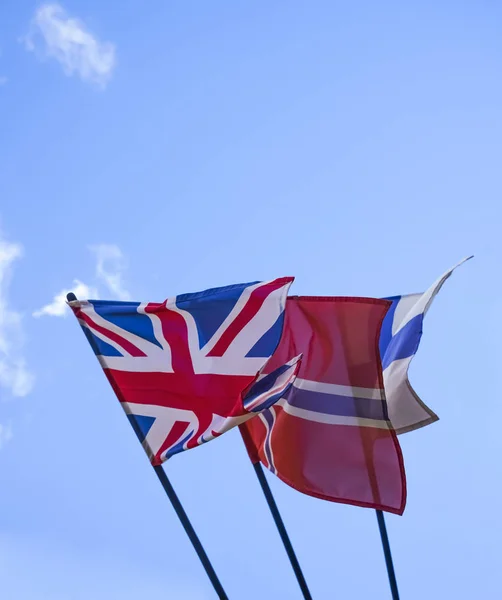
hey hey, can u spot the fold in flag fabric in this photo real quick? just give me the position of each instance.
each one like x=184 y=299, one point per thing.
x=399 y=341
x=330 y=436
x=184 y=370
x=268 y=389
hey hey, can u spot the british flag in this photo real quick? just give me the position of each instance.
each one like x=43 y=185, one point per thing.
x=188 y=369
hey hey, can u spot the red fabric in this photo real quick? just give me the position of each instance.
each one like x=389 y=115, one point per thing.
x=358 y=463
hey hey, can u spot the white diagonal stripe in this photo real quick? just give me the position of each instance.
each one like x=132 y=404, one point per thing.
x=265 y=318
x=239 y=305
x=137 y=364
x=339 y=390
x=144 y=345
x=165 y=419
x=104 y=338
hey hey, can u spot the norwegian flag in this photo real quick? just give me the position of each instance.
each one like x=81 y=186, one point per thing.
x=330 y=436
x=188 y=369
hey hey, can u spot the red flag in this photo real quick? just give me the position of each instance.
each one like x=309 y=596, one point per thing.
x=330 y=436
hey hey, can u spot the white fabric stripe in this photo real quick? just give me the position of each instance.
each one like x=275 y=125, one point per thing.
x=268 y=436
x=406 y=410
x=424 y=300
x=404 y=306
x=104 y=338
x=264 y=319
x=158 y=364
x=136 y=364
x=157 y=332
x=221 y=425
x=340 y=390
x=310 y=415
x=144 y=345
x=241 y=302
x=165 y=419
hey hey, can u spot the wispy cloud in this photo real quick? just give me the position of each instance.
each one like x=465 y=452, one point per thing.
x=5 y=434
x=58 y=308
x=54 y=34
x=110 y=268
x=14 y=374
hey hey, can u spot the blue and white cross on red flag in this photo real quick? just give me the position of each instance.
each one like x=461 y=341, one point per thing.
x=188 y=369
x=329 y=436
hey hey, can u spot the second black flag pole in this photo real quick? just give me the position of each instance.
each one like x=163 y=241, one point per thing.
x=282 y=530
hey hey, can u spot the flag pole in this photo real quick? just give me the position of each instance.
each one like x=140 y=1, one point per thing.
x=190 y=531
x=387 y=553
x=183 y=517
x=282 y=530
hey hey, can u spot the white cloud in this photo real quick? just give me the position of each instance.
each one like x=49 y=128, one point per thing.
x=5 y=434
x=110 y=268
x=14 y=374
x=54 y=34
x=58 y=307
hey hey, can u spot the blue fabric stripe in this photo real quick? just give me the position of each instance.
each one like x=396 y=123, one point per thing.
x=267 y=383
x=405 y=343
x=177 y=448
x=386 y=331
x=267 y=344
x=264 y=385
x=141 y=425
x=229 y=291
x=269 y=418
x=99 y=347
x=271 y=400
x=211 y=307
x=333 y=404
x=126 y=316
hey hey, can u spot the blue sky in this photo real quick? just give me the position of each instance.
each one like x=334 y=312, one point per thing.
x=150 y=149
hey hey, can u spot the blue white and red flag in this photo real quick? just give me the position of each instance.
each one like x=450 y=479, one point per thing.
x=333 y=435
x=330 y=435
x=184 y=369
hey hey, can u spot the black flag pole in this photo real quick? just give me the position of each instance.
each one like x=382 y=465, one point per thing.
x=388 y=555
x=290 y=550
x=282 y=530
x=183 y=517
x=190 y=531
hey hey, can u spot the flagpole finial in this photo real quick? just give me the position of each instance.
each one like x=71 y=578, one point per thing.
x=71 y=297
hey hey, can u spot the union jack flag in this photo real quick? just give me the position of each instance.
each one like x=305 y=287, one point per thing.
x=188 y=369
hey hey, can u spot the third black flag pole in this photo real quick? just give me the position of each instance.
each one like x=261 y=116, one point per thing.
x=387 y=553
x=290 y=550
x=183 y=517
